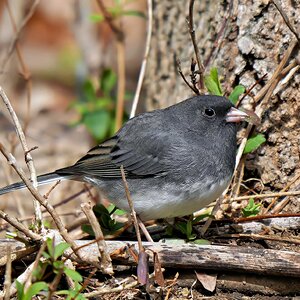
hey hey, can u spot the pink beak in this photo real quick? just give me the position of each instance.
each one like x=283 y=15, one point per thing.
x=235 y=115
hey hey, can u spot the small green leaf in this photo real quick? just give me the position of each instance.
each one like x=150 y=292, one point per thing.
x=135 y=13
x=235 y=94
x=50 y=248
x=87 y=229
x=252 y=209
x=253 y=143
x=108 y=81
x=212 y=83
x=89 y=91
x=20 y=289
x=60 y=249
x=96 y=18
x=74 y=275
x=34 y=289
x=201 y=242
x=97 y=123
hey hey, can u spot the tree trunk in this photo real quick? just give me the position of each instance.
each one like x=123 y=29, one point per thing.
x=245 y=40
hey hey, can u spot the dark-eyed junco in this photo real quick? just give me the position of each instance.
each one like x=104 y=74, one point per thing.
x=176 y=160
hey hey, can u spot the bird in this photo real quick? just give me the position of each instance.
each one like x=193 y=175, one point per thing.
x=176 y=160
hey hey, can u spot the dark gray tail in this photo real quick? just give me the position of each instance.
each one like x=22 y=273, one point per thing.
x=42 y=179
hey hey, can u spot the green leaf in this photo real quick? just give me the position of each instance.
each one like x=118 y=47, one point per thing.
x=108 y=81
x=235 y=94
x=201 y=242
x=135 y=13
x=88 y=229
x=252 y=209
x=60 y=249
x=212 y=83
x=20 y=289
x=253 y=143
x=89 y=91
x=34 y=289
x=201 y=217
x=50 y=248
x=97 y=123
x=96 y=18
x=100 y=209
x=58 y=265
x=113 y=209
x=74 y=275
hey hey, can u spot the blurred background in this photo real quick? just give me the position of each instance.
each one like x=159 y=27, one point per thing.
x=59 y=65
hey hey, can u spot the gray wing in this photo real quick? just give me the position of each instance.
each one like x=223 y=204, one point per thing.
x=142 y=157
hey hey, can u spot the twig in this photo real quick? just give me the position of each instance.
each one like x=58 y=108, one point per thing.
x=16 y=224
x=286 y=20
x=260 y=237
x=28 y=157
x=17 y=35
x=110 y=21
x=121 y=62
x=261 y=196
x=133 y=213
x=144 y=62
x=105 y=260
x=184 y=79
x=196 y=49
x=7 y=281
x=12 y=161
x=108 y=289
x=220 y=36
x=283 y=190
x=25 y=71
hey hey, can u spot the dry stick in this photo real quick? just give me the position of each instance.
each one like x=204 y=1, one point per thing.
x=265 y=92
x=27 y=274
x=261 y=196
x=133 y=213
x=144 y=62
x=17 y=35
x=184 y=79
x=220 y=36
x=7 y=281
x=286 y=20
x=108 y=289
x=260 y=237
x=25 y=71
x=121 y=62
x=12 y=161
x=16 y=224
x=196 y=49
x=280 y=205
x=283 y=190
x=28 y=157
x=106 y=265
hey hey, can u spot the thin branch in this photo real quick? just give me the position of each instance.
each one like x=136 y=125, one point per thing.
x=121 y=62
x=28 y=157
x=133 y=213
x=17 y=35
x=144 y=62
x=62 y=230
x=7 y=281
x=196 y=49
x=286 y=20
x=184 y=79
x=262 y=196
x=110 y=21
x=105 y=260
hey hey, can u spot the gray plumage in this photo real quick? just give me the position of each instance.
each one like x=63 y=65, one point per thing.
x=176 y=160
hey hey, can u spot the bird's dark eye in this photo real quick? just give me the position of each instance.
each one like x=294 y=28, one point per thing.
x=209 y=112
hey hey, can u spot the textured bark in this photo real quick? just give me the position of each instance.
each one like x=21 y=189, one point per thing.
x=253 y=43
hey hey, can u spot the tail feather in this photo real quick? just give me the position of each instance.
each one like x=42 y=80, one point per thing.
x=42 y=179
